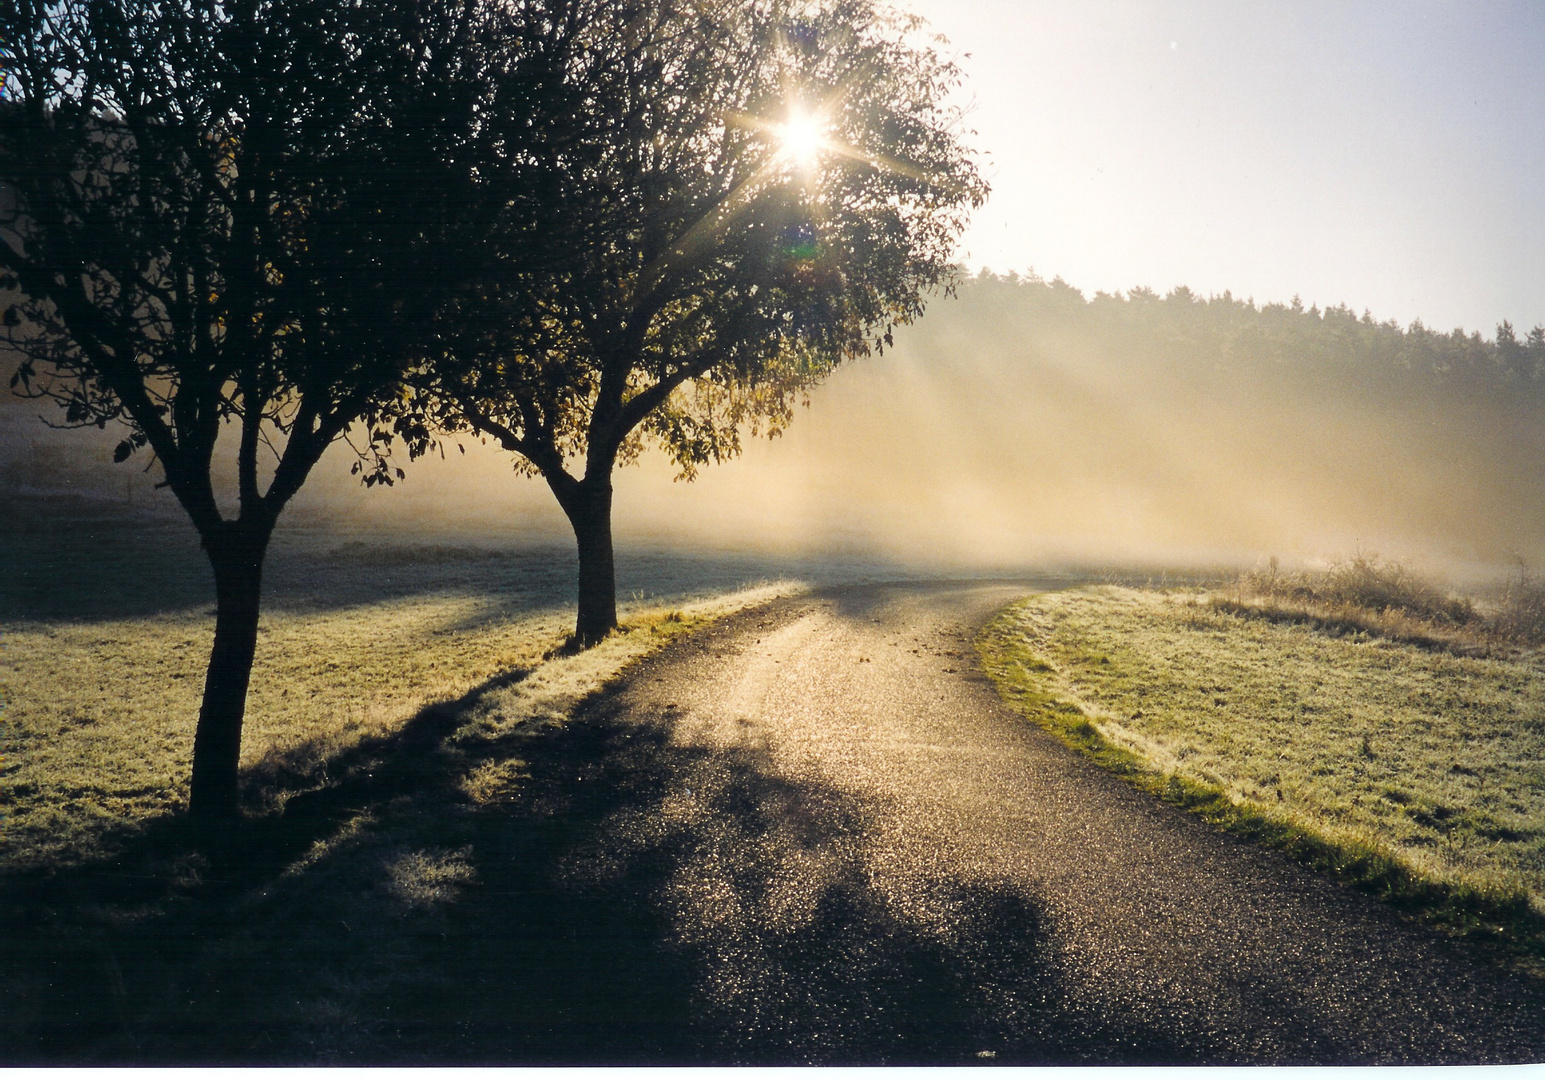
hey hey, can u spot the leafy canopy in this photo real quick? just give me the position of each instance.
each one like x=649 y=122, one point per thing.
x=755 y=191
x=243 y=213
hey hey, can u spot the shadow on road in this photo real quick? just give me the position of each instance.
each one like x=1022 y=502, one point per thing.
x=592 y=893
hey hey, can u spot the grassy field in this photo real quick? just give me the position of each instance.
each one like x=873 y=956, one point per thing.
x=358 y=638
x=408 y=737
x=1415 y=770
x=100 y=735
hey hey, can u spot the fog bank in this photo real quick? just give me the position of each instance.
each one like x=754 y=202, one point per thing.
x=1008 y=429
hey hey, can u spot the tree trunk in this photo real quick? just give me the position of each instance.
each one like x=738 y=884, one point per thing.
x=236 y=552
x=589 y=509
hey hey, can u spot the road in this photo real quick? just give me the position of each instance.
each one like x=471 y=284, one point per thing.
x=874 y=860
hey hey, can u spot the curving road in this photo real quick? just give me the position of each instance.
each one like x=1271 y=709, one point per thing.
x=872 y=859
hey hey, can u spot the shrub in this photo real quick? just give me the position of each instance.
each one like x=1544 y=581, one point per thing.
x=1520 y=616
x=1363 y=594
x=1384 y=597
x=1364 y=582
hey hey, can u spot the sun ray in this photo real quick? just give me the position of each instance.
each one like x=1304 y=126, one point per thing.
x=801 y=139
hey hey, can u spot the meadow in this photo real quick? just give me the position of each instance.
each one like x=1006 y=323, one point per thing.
x=106 y=626
x=410 y=696
x=1397 y=749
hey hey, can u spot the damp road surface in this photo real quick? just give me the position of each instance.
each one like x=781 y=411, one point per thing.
x=871 y=859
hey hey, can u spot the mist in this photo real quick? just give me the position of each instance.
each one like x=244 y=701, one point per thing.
x=987 y=440
x=1020 y=426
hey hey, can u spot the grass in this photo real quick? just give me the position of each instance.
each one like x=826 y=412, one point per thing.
x=1413 y=771
x=105 y=630
x=1369 y=595
x=99 y=731
x=410 y=770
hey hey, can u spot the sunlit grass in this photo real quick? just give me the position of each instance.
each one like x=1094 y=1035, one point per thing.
x=408 y=762
x=100 y=719
x=1416 y=771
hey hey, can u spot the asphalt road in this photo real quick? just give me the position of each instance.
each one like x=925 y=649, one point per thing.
x=874 y=860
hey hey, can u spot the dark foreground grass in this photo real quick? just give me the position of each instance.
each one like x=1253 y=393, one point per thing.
x=392 y=917
x=1071 y=685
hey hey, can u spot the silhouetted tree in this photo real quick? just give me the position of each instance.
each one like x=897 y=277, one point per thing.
x=755 y=191
x=1534 y=347
x=234 y=222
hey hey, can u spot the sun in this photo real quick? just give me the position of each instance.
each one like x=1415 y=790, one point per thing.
x=802 y=138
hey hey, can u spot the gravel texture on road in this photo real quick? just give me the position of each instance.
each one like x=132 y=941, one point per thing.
x=872 y=859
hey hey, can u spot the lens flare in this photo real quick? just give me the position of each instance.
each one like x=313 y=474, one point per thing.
x=802 y=138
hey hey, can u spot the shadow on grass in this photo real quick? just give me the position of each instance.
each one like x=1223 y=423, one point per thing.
x=76 y=559
x=68 y=559
x=599 y=894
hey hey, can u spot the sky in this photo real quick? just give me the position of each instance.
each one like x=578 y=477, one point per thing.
x=1390 y=156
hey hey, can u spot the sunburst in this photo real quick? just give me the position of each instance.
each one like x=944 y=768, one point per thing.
x=801 y=139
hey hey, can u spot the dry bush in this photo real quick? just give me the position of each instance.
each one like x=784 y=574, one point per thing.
x=1520 y=616
x=1366 y=582
x=1383 y=597
x=1363 y=594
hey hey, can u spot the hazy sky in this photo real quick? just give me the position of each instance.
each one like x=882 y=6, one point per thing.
x=1386 y=155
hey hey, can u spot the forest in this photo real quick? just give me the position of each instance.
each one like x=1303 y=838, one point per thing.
x=1224 y=335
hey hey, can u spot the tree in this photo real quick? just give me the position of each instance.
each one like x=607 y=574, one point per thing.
x=233 y=222
x=1534 y=346
x=756 y=191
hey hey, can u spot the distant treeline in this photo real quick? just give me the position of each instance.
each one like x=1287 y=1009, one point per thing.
x=1226 y=334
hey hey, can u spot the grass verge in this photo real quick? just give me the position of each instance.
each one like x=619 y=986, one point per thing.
x=1413 y=774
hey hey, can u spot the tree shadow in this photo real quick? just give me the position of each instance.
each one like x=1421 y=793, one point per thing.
x=599 y=894
x=74 y=559
x=70 y=558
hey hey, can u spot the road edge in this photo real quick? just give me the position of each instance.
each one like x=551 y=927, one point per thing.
x=1505 y=931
